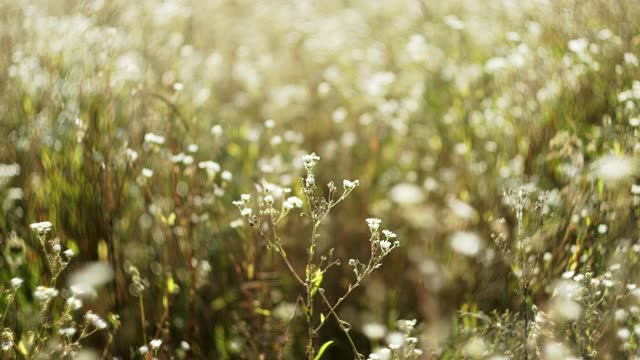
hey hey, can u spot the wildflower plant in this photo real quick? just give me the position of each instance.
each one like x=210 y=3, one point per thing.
x=275 y=204
x=62 y=329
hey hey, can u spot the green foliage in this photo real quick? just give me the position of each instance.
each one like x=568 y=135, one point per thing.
x=499 y=139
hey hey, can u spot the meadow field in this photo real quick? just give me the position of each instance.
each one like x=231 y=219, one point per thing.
x=335 y=179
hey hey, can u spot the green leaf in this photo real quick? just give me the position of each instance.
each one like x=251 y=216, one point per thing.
x=323 y=348
x=316 y=281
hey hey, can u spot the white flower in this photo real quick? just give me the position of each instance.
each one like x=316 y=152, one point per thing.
x=614 y=168
x=7 y=344
x=245 y=197
x=454 y=22
x=578 y=46
x=216 y=130
x=236 y=223
x=310 y=180
x=185 y=345
x=16 y=282
x=226 y=175
x=374 y=331
x=147 y=172
x=292 y=202
x=466 y=243
x=374 y=224
x=44 y=293
x=91 y=276
x=603 y=228
x=143 y=349
x=268 y=199
x=155 y=343
x=395 y=339
x=631 y=59
x=68 y=332
x=623 y=334
x=211 y=166
x=153 y=139
x=41 y=227
x=246 y=212
x=56 y=248
x=132 y=155
x=389 y=234
x=95 y=320
x=74 y=303
x=68 y=253
x=406 y=193
x=310 y=160
x=348 y=185
x=385 y=244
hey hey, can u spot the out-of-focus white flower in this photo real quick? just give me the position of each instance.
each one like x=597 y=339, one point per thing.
x=74 y=303
x=44 y=293
x=614 y=168
x=216 y=130
x=466 y=243
x=556 y=351
x=236 y=223
x=603 y=228
x=147 y=172
x=374 y=331
x=461 y=208
x=9 y=170
x=620 y=315
x=623 y=334
x=380 y=354
x=395 y=339
x=454 y=22
x=475 y=347
x=41 y=227
x=90 y=277
x=67 y=332
x=154 y=139
x=564 y=305
x=578 y=46
x=406 y=194
x=16 y=282
x=211 y=166
x=226 y=175
x=155 y=343
x=631 y=59
x=132 y=155
x=292 y=202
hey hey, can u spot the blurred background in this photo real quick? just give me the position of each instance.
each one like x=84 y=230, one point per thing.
x=497 y=138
